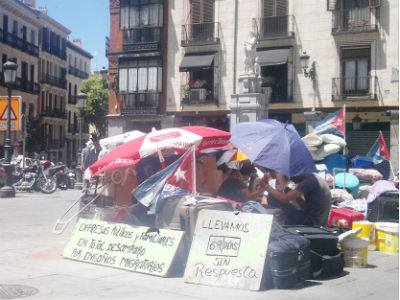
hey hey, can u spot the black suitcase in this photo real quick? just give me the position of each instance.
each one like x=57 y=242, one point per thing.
x=326 y=259
x=385 y=208
x=288 y=261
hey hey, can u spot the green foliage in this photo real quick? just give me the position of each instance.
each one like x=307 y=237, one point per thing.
x=97 y=103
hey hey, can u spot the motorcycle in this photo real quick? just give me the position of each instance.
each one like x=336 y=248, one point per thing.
x=65 y=178
x=35 y=178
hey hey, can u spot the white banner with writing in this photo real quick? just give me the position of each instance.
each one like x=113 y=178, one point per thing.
x=229 y=249
x=123 y=246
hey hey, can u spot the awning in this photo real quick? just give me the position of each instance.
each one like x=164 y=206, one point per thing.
x=196 y=62
x=273 y=57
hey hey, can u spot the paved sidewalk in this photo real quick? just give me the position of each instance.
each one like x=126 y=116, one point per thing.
x=30 y=256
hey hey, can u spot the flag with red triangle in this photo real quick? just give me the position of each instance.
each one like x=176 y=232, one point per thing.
x=334 y=123
x=175 y=179
x=379 y=150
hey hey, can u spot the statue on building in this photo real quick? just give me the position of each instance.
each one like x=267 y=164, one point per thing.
x=250 y=54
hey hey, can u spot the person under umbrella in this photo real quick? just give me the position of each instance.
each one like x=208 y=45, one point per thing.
x=234 y=188
x=277 y=146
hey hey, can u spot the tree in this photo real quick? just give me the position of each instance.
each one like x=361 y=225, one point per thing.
x=96 y=107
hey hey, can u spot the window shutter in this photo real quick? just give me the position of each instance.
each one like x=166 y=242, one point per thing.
x=281 y=8
x=331 y=5
x=208 y=11
x=268 y=8
x=195 y=11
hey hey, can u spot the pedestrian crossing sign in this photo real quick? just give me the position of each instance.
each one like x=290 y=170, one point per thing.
x=15 y=113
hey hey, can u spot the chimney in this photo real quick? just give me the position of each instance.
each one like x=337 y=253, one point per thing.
x=77 y=42
x=30 y=3
x=43 y=10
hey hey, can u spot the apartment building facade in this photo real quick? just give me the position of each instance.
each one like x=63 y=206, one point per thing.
x=313 y=57
x=137 y=64
x=78 y=70
x=50 y=72
x=19 y=31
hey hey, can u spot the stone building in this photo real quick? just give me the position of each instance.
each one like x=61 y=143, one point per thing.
x=46 y=81
x=313 y=58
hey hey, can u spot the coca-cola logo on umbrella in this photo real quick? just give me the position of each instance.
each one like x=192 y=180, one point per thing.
x=165 y=136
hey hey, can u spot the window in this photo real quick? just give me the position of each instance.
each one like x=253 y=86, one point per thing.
x=355 y=69
x=141 y=13
x=3 y=59
x=32 y=73
x=33 y=37
x=42 y=102
x=356 y=12
x=15 y=27
x=202 y=11
x=140 y=76
x=24 y=71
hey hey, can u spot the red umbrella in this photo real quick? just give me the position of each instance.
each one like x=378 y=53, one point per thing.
x=204 y=138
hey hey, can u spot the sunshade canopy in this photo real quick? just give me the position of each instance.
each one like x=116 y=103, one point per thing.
x=273 y=57
x=198 y=61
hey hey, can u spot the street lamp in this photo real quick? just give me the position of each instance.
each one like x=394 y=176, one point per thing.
x=304 y=58
x=10 y=76
x=82 y=98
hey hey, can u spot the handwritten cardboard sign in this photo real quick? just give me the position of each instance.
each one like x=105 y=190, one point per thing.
x=229 y=249
x=123 y=246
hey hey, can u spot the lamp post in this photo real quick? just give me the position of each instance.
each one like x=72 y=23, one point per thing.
x=82 y=98
x=304 y=58
x=10 y=75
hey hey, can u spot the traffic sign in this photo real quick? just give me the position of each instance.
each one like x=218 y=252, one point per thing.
x=15 y=112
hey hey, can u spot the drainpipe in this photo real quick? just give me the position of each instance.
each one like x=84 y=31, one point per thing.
x=235 y=46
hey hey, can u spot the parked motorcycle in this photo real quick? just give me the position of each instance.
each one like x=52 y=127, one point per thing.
x=36 y=178
x=65 y=177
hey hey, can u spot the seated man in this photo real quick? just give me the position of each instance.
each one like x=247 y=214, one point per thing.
x=317 y=203
x=234 y=188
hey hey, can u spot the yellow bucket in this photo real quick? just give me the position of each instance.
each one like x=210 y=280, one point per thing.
x=355 y=252
x=368 y=231
x=388 y=237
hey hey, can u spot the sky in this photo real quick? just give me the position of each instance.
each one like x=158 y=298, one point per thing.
x=89 y=21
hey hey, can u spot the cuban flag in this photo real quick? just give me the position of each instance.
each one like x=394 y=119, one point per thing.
x=379 y=150
x=175 y=179
x=334 y=123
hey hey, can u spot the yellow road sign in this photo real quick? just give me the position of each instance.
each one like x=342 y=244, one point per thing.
x=15 y=112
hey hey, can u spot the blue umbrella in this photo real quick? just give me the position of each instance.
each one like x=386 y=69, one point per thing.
x=273 y=145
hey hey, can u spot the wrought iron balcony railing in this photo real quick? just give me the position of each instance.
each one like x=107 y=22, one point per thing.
x=72 y=99
x=53 y=113
x=139 y=39
x=141 y=104
x=354 y=88
x=353 y=21
x=279 y=93
x=274 y=27
x=14 y=41
x=200 y=34
x=23 y=85
x=56 y=51
x=78 y=73
x=55 y=81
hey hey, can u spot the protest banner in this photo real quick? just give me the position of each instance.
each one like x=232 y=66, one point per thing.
x=123 y=246
x=229 y=249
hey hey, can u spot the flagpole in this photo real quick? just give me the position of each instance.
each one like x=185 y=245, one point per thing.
x=194 y=170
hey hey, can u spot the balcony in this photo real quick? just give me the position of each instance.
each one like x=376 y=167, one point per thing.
x=55 y=81
x=199 y=96
x=78 y=73
x=56 y=51
x=23 y=85
x=279 y=91
x=14 y=41
x=141 y=104
x=274 y=27
x=53 y=113
x=353 y=21
x=141 y=39
x=200 y=34
x=354 y=88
